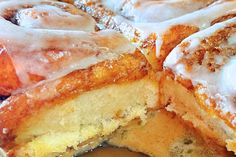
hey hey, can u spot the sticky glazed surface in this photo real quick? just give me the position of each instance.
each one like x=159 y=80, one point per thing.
x=205 y=63
x=47 y=39
x=147 y=11
x=66 y=62
x=157 y=39
x=56 y=63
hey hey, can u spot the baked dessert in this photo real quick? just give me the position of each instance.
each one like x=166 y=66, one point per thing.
x=72 y=85
x=144 y=11
x=163 y=134
x=200 y=84
x=56 y=115
x=90 y=83
x=184 y=84
x=166 y=135
x=33 y=22
x=157 y=34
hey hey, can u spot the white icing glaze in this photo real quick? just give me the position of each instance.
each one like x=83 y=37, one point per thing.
x=228 y=80
x=53 y=53
x=219 y=85
x=153 y=10
x=49 y=15
x=202 y=18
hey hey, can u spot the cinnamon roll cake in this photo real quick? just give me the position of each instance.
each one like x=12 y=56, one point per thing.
x=197 y=49
x=31 y=46
x=156 y=27
x=70 y=86
x=200 y=82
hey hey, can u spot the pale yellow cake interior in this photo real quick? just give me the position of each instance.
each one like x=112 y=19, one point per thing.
x=166 y=135
x=93 y=114
x=183 y=102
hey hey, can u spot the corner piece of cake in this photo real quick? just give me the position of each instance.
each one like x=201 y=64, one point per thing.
x=84 y=105
x=200 y=83
x=76 y=85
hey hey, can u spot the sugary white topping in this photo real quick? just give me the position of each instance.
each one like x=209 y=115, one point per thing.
x=47 y=15
x=216 y=70
x=146 y=17
x=153 y=10
x=51 y=17
x=52 y=52
x=202 y=19
x=228 y=80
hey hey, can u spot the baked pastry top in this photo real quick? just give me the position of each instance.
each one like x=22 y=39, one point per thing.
x=207 y=59
x=149 y=11
x=204 y=63
x=25 y=23
x=194 y=50
x=62 y=74
x=157 y=38
x=72 y=85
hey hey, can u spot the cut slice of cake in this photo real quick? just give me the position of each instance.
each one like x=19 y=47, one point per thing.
x=81 y=107
x=200 y=82
x=69 y=88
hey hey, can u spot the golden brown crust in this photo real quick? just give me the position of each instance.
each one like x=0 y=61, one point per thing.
x=204 y=56
x=14 y=49
x=202 y=65
x=223 y=18
x=209 y=48
x=175 y=30
x=211 y=108
x=16 y=109
x=8 y=78
x=173 y=37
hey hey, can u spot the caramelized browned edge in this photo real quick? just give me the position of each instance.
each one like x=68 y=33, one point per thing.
x=8 y=78
x=127 y=68
x=209 y=44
